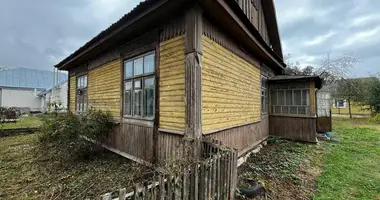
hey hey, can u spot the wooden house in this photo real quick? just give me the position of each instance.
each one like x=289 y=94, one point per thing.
x=175 y=69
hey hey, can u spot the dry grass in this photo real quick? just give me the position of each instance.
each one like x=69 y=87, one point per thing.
x=25 y=175
x=346 y=170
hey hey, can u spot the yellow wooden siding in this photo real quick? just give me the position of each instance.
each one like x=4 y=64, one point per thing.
x=72 y=88
x=230 y=88
x=172 y=84
x=104 y=88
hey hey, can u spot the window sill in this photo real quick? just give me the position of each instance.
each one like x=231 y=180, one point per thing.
x=140 y=122
x=290 y=115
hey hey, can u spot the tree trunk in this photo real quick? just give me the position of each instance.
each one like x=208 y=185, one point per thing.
x=349 y=108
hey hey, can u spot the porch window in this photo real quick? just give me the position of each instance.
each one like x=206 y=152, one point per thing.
x=290 y=101
x=81 y=94
x=264 y=95
x=139 y=86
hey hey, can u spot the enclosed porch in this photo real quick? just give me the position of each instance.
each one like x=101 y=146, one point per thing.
x=293 y=107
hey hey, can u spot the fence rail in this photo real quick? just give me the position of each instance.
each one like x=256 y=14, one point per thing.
x=212 y=177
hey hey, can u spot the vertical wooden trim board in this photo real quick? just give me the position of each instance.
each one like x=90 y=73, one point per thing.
x=193 y=74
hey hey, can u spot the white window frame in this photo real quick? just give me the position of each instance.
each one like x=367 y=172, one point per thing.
x=133 y=78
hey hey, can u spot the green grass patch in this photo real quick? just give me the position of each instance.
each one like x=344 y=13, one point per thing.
x=27 y=175
x=352 y=167
x=23 y=122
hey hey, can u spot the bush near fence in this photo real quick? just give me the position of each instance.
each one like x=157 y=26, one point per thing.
x=213 y=176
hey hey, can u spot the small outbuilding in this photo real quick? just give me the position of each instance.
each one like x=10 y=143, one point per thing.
x=293 y=107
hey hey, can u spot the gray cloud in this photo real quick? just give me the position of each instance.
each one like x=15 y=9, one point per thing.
x=39 y=33
x=311 y=28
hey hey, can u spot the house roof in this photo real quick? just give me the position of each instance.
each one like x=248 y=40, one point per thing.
x=51 y=88
x=98 y=44
x=28 y=78
x=141 y=7
x=317 y=79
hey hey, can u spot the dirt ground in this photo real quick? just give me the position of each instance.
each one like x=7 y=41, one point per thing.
x=286 y=169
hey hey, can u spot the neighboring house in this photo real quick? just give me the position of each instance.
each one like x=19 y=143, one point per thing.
x=171 y=70
x=54 y=96
x=340 y=105
x=20 y=87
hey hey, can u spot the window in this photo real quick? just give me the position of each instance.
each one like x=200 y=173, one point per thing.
x=264 y=95
x=290 y=101
x=340 y=103
x=81 y=94
x=139 y=86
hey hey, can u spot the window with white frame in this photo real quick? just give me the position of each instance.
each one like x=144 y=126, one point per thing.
x=340 y=103
x=264 y=94
x=139 y=86
x=286 y=99
x=81 y=94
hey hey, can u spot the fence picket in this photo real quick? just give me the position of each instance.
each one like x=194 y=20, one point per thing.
x=213 y=186
x=162 y=188
x=213 y=176
x=122 y=194
x=107 y=196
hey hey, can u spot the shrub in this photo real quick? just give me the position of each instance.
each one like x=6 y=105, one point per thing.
x=375 y=118
x=8 y=113
x=69 y=136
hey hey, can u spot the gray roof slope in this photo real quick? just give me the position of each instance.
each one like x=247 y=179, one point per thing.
x=28 y=78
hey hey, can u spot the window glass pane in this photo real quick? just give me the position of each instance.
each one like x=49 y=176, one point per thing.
x=138 y=66
x=305 y=98
x=281 y=97
x=137 y=102
x=78 y=82
x=149 y=64
x=273 y=96
x=149 y=97
x=277 y=109
x=289 y=97
x=297 y=97
x=301 y=110
x=137 y=84
x=285 y=110
x=293 y=110
x=262 y=104
x=128 y=85
x=85 y=81
x=128 y=98
x=128 y=69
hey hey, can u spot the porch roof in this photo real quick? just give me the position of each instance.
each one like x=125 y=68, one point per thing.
x=288 y=78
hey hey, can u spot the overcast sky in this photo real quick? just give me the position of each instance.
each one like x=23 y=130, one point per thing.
x=40 y=33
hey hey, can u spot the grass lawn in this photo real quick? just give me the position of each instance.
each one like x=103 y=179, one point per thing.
x=25 y=175
x=24 y=122
x=349 y=169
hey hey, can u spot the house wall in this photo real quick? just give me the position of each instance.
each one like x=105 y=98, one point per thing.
x=19 y=97
x=172 y=84
x=72 y=87
x=230 y=88
x=59 y=95
x=104 y=88
x=231 y=91
x=255 y=13
x=292 y=126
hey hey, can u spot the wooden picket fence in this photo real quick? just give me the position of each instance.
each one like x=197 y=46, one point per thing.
x=214 y=176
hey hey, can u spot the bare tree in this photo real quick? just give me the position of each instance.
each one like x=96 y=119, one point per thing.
x=336 y=73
